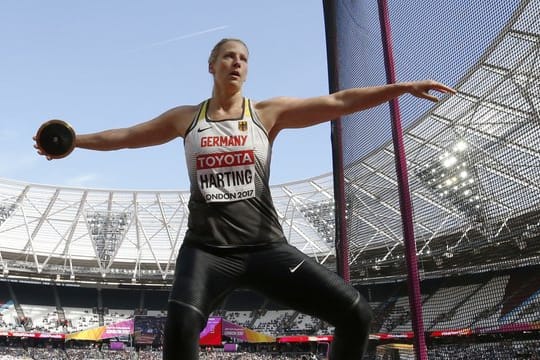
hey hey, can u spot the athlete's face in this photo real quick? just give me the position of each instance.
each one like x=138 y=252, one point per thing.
x=231 y=64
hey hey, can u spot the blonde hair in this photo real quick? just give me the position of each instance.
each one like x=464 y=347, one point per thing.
x=217 y=47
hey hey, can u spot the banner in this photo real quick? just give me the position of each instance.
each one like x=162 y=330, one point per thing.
x=388 y=336
x=122 y=328
x=149 y=330
x=234 y=331
x=211 y=334
x=33 y=335
x=119 y=329
x=305 y=338
x=238 y=332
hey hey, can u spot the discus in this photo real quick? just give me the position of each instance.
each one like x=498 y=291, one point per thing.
x=56 y=139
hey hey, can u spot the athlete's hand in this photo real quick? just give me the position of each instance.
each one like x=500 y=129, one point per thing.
x=38 y=149
x=421 y=89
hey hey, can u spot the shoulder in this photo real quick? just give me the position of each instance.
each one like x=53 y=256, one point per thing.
x=180 y=117
x=274 y=103
x=183 y=111
x=271 y=109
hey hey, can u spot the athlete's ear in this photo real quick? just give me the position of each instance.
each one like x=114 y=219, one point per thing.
x=211 y=68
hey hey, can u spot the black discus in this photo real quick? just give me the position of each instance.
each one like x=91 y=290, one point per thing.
x=56 y=139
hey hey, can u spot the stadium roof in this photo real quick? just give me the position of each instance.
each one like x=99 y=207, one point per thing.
x=473 y=161
x=74 y=232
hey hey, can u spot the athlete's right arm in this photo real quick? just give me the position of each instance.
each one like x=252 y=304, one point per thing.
x=164 y=128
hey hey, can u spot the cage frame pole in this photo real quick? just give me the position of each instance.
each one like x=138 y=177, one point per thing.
x=341 y=239
x=413 y=278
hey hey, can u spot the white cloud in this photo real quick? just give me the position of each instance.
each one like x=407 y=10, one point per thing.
x=82 y=180
x=186 y=36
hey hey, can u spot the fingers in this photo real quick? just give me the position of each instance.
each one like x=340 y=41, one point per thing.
x=41 y=153
x=424 y=94
x=443 y=88
x=425 y=86
x=435 y=85
x=39 y=150
x=430 y=97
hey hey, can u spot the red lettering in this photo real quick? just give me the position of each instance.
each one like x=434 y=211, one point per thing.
x=232 y=140
x=228 y=159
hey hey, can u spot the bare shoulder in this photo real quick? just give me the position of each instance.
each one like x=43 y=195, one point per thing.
x=270 y=109
x=266 y=110
x=183 y=112
x=273 y=103
x=180 y=117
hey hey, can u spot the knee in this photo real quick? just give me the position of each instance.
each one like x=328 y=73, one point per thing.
x=362 y=313
x=183 y=319
x=358 y=317
x=184 y=323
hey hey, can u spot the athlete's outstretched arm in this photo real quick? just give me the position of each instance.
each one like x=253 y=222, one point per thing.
x=285 y=112
x=164 y=128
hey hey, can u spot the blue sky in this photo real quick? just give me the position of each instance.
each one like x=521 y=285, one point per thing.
x=104 y=64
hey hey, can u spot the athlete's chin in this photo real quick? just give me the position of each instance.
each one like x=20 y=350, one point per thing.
x=234 y=86
x=236 y=78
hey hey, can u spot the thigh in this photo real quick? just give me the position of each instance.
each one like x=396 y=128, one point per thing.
x=202 y=279
x=288 y=276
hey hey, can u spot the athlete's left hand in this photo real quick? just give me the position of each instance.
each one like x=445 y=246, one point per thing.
x=421 y=89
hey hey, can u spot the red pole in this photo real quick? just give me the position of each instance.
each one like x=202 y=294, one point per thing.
x=415 y=299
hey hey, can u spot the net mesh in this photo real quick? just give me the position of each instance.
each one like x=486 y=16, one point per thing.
x=473 y=163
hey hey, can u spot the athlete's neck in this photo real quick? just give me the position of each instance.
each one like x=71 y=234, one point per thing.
x=225 y=106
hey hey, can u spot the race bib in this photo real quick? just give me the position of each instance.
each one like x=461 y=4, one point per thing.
x=228 y=176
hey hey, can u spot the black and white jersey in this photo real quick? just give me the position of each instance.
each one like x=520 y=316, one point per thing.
x=229 y=168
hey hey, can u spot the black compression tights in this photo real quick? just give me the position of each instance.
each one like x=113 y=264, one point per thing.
x=184 y=325
x=182 y=330
x=351 y=334
x=279 y=272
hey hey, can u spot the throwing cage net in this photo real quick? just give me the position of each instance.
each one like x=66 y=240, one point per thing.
x=472 y=165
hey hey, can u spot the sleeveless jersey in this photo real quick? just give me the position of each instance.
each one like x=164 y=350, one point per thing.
x=229 y=168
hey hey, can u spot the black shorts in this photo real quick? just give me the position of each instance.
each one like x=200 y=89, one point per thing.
x=282 y=273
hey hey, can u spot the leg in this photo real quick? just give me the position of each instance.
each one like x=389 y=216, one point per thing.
x=182 y=330
x=352 y=333
x=201 y=281
x=290 y=277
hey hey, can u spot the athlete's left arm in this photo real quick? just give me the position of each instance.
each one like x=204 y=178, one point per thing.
x=286 y=112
